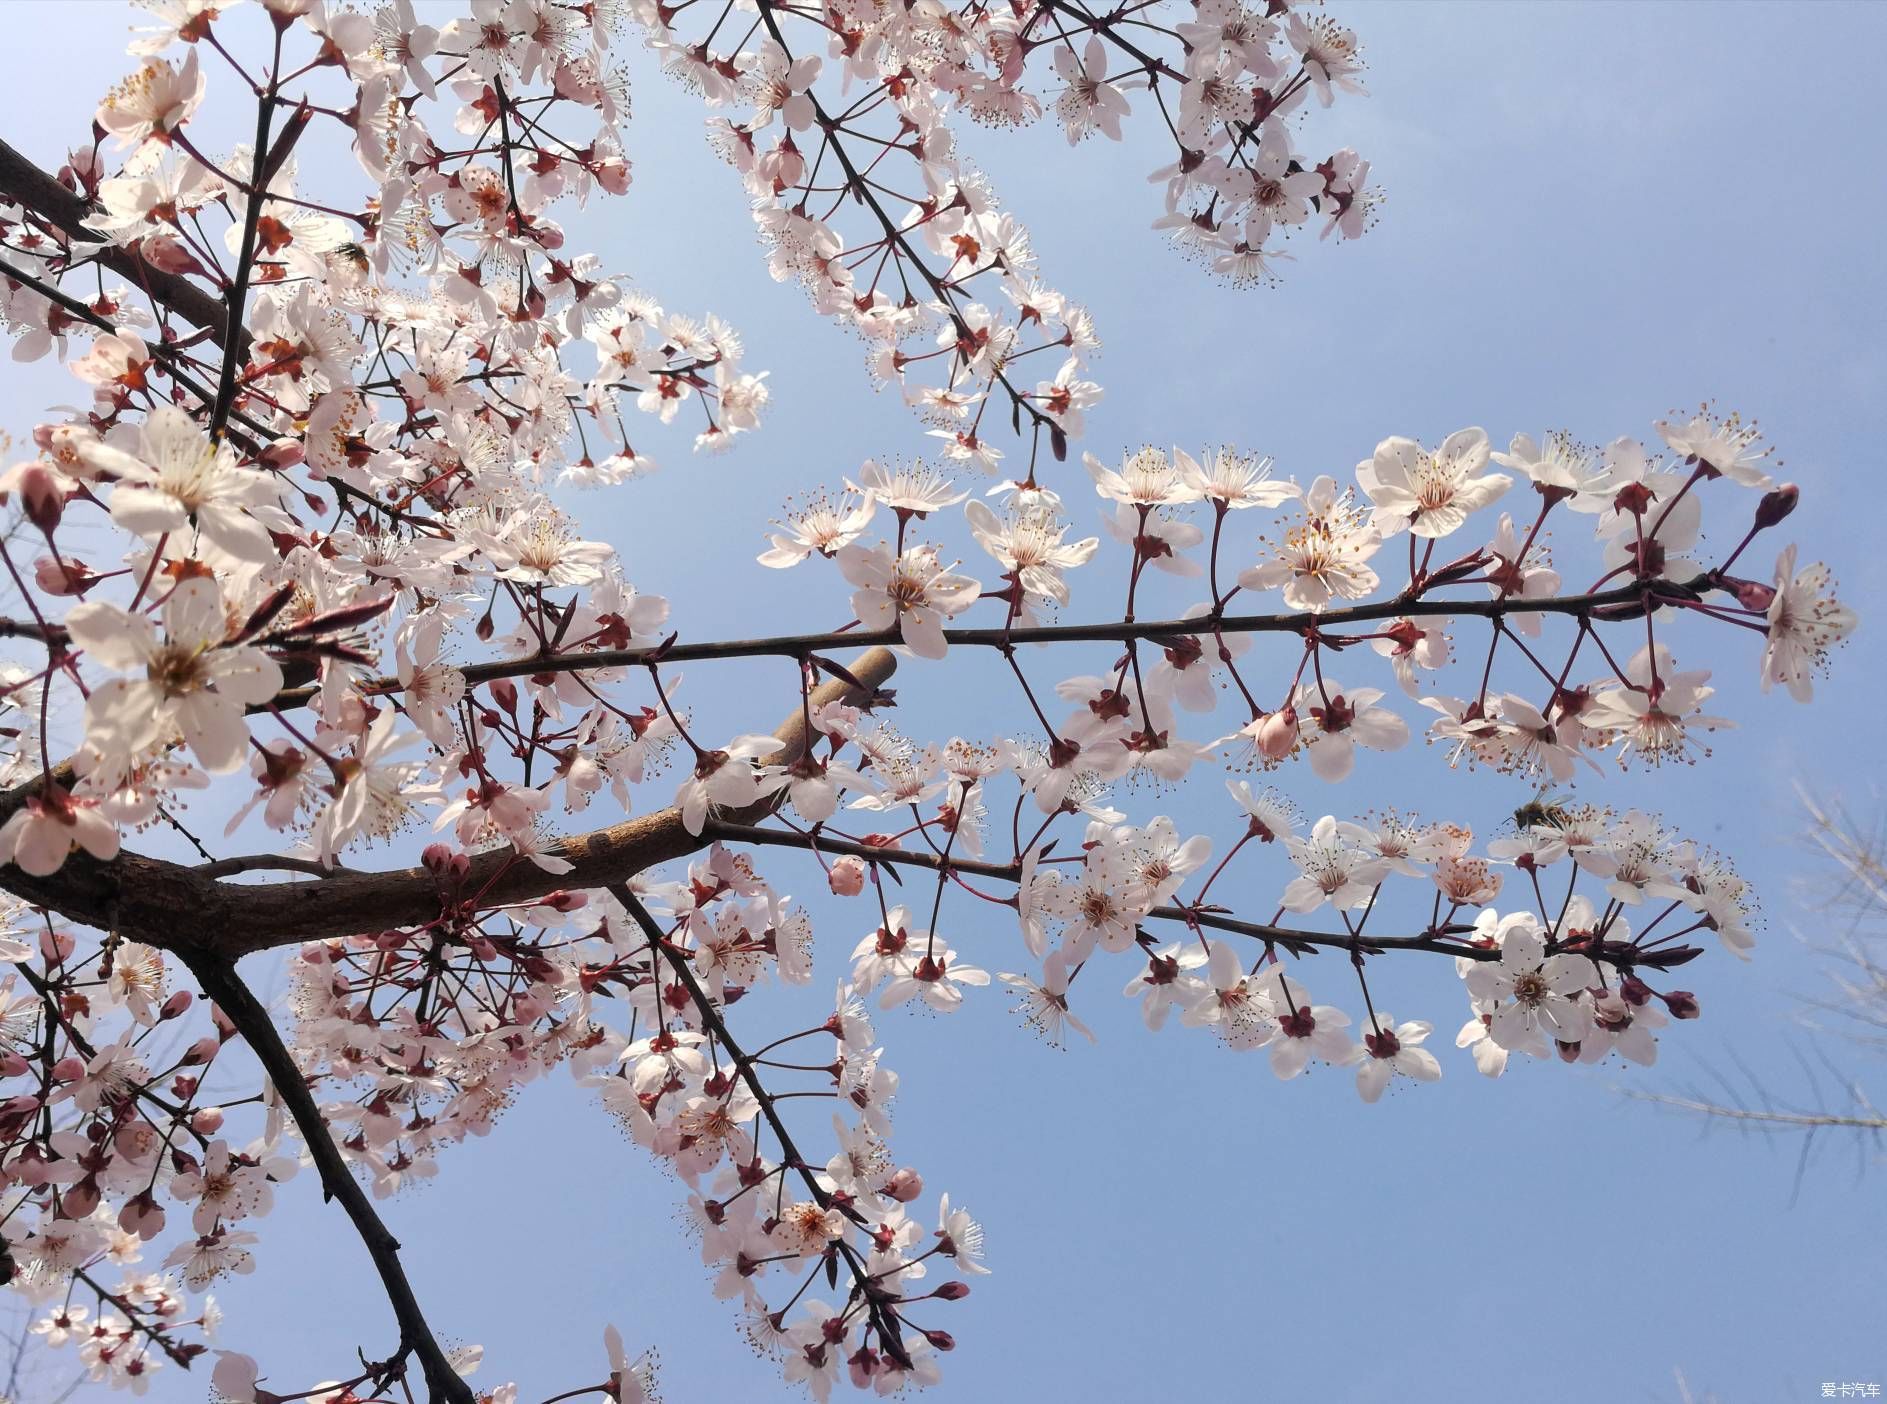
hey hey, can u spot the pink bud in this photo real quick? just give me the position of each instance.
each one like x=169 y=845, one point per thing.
x=1277 y=734
x=283 y=453
x=953 y=1291
x=1756 y=596
x=13 y=1065
x=847 y=878
x=57 y=577
x=200 y=1052
x=1682 y=1004
x=142 y=1215
x=505 y=693
x=613 y=176
x=208 y=1120
x=68 y=1070
x=905 y=1186
x=79 y=1201
x=176 y=1004
x=43 y=497
x=165 y=252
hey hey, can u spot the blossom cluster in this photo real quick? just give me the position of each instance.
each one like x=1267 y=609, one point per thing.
x=317 y=563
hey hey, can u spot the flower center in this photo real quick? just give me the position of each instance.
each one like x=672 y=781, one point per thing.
x=177 y=671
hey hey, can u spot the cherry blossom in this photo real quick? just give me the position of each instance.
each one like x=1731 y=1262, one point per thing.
x=344 y=537
x=1528 y=991
x=1431 y=493
x=196 y=681
x=911 y=591
x=1805 y=622
x=1390 y=1048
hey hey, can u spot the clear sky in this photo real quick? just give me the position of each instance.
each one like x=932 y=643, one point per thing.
x=1597 y=214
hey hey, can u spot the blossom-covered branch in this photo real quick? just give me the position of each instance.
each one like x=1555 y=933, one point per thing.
x=313 y=548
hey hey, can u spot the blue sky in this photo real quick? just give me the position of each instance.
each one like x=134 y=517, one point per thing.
x=1597 y=214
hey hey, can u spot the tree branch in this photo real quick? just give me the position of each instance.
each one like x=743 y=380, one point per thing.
x=182 y=909
x=26 y=185
x=1287 y=937
x=1110 y=631
x=219 y=980
x=878 y=1302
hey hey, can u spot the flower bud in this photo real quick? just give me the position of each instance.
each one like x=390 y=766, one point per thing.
x=200 y=1052
x=1753 y=595
x=505 y=693
x=283 y=453
x=1777 y=504
x=953 y=1291
x=57 y=577
x=847 y=878
x=68 y=1069
x=142 y=1215
x=905 y=1186
x=175 y=1005
x=79 y=1201
x=169 y=253
x=42 y=496
x=1682 y=1004
x=1277 y=734
x=613 y=176
x=863 y=1364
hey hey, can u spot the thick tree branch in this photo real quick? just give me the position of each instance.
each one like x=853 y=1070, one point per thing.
x=26 y=185
x=183 y=909
x=85 y=314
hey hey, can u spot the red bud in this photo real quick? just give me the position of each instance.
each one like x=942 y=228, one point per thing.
x=1777 y=504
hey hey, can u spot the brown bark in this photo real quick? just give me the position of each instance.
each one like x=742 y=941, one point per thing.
x=34 y=190
x=179 y=908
